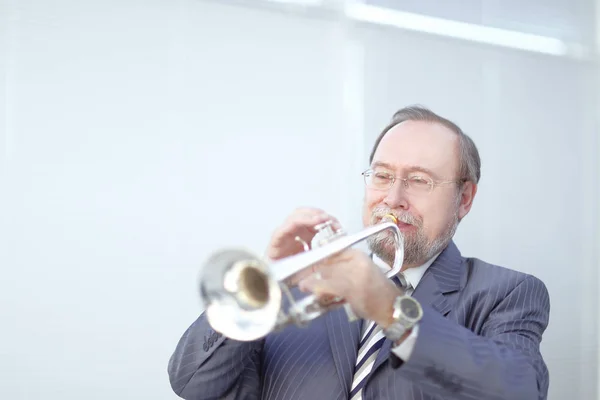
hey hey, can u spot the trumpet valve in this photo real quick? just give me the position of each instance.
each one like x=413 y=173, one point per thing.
x=326 y=228
x=325 y=234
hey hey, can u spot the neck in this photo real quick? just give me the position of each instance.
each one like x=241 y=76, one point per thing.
x=406 y=266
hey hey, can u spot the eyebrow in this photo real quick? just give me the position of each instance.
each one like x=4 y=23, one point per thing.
x=410 y=168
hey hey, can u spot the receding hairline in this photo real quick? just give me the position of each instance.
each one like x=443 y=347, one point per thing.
x=393 y=126
x=455 y=137
x=469 y=160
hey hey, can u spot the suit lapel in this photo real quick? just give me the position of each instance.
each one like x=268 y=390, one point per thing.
x=442 y=277
x=343 y=338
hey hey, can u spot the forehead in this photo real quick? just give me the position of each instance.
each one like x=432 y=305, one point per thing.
x=419 y=144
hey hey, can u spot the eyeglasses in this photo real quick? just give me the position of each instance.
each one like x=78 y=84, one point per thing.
x=414 y=184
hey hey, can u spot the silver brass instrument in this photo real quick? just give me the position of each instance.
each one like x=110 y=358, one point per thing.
x=244 y=295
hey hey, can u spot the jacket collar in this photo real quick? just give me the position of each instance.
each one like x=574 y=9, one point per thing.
x=443 y=277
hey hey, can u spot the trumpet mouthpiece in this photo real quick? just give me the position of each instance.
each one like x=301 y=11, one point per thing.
x=391 y=218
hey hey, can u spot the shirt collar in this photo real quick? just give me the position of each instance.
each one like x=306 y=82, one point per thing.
x=412 y=275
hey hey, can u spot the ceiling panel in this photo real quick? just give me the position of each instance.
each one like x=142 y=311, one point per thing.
x=570 y=20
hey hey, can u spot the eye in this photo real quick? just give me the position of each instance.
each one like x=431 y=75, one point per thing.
x=381 y=177
x=419 y=181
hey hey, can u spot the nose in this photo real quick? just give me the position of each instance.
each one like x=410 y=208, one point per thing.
x=396 y=197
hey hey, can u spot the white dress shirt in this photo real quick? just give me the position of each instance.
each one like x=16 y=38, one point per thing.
x=413 y=277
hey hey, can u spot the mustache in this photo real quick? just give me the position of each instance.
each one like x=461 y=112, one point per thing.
x=404 y=217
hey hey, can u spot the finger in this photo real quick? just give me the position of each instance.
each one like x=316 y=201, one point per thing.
x=309 y=218
x=301 y=275
x=301 y=224
x=312 y=215
x=308 y=215
x=327 y=269
x=322 y=287
x=335 y=264
x=329 y=300
x=307 y=283
x=324 y=298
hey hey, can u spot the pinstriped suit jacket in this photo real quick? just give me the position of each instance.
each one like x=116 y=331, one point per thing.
x=478 y=339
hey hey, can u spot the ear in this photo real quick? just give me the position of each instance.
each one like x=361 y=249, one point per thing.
x=467 y=195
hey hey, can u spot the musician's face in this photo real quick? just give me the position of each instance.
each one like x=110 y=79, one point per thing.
x=422 y=152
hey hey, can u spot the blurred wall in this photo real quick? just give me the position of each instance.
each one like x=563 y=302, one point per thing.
x=137 y=137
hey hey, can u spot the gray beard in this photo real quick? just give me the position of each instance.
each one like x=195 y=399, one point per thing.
x=417 y=248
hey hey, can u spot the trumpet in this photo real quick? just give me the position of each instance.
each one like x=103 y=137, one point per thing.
x=246 y=297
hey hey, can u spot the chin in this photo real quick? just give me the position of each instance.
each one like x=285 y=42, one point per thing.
x=383 y=246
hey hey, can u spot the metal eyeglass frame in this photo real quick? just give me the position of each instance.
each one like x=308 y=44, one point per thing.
x=406 y=181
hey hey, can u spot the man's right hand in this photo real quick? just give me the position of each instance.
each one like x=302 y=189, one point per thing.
x=301 y=223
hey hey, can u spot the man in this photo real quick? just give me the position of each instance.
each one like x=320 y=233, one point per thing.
x=447 y=327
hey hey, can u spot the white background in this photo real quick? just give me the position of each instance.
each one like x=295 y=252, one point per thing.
x=136 y=137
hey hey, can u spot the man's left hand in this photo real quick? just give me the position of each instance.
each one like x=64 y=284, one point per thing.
x=354 y=277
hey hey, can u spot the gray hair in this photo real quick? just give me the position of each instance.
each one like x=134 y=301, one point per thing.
x=470 y=163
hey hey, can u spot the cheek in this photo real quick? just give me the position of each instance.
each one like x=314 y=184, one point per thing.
x=436 y=219
x=372 y=200
x=427 y=212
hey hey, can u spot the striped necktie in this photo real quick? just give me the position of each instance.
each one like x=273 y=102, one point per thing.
x=368 y=348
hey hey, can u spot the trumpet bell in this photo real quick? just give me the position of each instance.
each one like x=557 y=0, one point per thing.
x=241 y=296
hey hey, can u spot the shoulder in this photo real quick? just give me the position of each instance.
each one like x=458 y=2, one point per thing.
x=502 y=280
